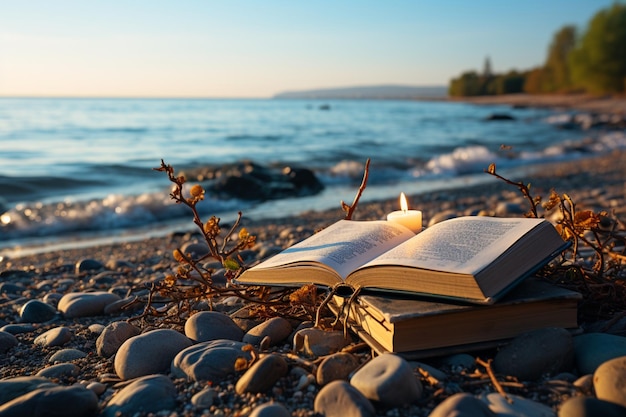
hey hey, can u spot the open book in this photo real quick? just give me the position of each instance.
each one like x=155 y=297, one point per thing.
x=473 y=258
x=419 y=327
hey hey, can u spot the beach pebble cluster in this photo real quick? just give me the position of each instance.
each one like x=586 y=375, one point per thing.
x=72 y=343
x=74 y=355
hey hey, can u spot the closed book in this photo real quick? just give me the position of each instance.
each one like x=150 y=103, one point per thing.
x=421 y=327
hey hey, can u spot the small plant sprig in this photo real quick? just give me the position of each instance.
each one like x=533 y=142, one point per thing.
x=210 y=230
x=596 y=264
x=177 y=294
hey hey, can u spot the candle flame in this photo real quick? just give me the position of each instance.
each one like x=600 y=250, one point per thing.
x=404 y=206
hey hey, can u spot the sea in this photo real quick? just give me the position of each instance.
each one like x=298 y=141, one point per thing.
x=77 y=171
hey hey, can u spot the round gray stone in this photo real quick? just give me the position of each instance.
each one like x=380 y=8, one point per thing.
x=270 y=410
x=148 y=394
x=337 y=366
x=533 y=354
x=15 y=387
x=53 y=401
x=519 y=406
x=35 y=311
x=609 y=381
x=590 y=407
x=593 y=349
x=340 y=399
x=212 y=325
x=66 y=355
x=7 y=341
x=262 y=375
x=60 y=370
x=209 y=361
x=85 y=265
x=85 y=304
x=54 y=337
x=112 y=337
x=204 y=399
x=318 y=342
x=462 y=404
x=276 y=328
x=149 y=353
x=388 y=379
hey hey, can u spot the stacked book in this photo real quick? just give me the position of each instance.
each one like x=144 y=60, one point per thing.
x=463 y=283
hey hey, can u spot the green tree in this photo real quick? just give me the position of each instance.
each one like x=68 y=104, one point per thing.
x=534 y=81
x=557 y=70
x=509 y=83
x=598 y=63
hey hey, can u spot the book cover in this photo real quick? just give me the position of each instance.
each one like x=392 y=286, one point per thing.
x=422 y=327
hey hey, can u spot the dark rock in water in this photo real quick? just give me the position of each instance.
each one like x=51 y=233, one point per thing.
x=499 y=117
x=249 y=181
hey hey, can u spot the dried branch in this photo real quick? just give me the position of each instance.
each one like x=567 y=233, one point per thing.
x=350 y=209
x=492 y=377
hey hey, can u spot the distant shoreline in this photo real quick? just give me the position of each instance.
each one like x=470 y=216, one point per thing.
x=582 y=102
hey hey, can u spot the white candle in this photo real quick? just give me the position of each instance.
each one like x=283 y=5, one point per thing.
x=411 y=219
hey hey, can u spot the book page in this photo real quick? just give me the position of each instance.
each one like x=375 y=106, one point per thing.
x=462 y=245
x=344 y=246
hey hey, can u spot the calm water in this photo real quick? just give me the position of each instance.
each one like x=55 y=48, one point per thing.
x=79 y=166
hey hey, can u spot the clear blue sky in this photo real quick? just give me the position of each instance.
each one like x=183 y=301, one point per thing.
x=256 y=48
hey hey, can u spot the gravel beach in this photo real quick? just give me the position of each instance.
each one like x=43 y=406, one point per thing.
x=67 y=347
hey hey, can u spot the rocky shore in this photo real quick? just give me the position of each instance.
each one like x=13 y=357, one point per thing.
x=69 y=345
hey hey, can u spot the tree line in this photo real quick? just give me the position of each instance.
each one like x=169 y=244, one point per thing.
x=591 y=62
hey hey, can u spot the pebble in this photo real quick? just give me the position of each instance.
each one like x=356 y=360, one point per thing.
x=87 y=265
x=7 y=341
x=204 y=399
x=609 y=381
x=53 y=401
x=66 y=355
x=18 y=328
x=270 y=410
x=533 y=354
x=593 y=349
x=338 y=366
x=261 y=376
x=14 y=387
x=517 y=407
x=60 y=370
x=590 y=407
x=52 y=298
x=112 y=337
x=11 y=288
x=318 y=342
x=54 y=337
x=276 y=328
x=388 y=379
x=212 y=325
x=462 y=404
x=85 y=304
x=195 y=249
x=147 y=394
x=149 y=353
x=209 y=361
x=340 y=399
x=460 y=361
x=35 y=311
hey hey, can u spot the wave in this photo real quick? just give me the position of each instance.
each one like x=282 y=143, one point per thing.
x=114 y=212
x=145 y=200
